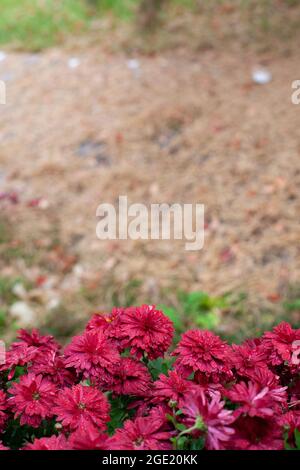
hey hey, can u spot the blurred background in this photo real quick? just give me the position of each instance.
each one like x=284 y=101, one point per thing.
x=163 y=101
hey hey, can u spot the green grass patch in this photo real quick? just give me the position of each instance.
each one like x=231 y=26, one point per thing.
x=36 y=24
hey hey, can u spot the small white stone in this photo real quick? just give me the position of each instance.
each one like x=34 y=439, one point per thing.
x=261 y=76
x=2 y=56
x=73 y=62
x=133 y=64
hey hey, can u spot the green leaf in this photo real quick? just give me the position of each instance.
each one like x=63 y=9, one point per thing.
x=173 y=315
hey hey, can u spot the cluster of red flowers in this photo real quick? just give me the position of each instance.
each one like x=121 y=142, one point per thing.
x=118 y=386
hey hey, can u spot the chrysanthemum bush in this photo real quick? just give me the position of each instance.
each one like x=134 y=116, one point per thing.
x=122 y=385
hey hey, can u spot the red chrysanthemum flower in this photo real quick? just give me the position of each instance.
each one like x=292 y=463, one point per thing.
x=88 y=437
x=290 y=422
x=171 y=388
x=247 y=358
x=32 y=399
x=29 y=347
x=256 y=434
x=130 y=377
x=54 y=367
x=43 y=343
x=279 y=344
x=49 y=443
x=3 y=407
x=91 y=354
x=257 y=400
x=146 y=330
x=202 y=351
x=80 y=405
x=141 y=434
x=209 y=417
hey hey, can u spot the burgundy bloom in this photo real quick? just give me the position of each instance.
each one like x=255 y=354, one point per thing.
x=35 y=339
x=278 y=343
x=141 y=434
x=257 y=400
x=202 y=351
x=145 y=330
x=49 y=443
x=54 y=367
x=91 y=354
x=256 y=434
x=130 y=377
x=32 y=399
x=3 y=407
x=80 y=406
x=27 y=349
x=209 y=417
x=290 y=422
x=247 y=358
x=19 y=354
x=171 y=388
x=87 y=437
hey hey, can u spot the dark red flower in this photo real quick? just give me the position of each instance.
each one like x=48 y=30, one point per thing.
x=247 y=358
x=54 y=367
x=172 y=388
x=290 y=422
x=279 y=344
x=130 y=377
x=202 y=351
x=32 y=399
x=3 y=407
x=49 y=443
x=141 y=434
x=257 y=400
x=80 y=405
x=208 y=417
x=27 y=349
x=43 y=343
x=146 y=330
x=256 y=434
x=87 y=437
x=91 y=354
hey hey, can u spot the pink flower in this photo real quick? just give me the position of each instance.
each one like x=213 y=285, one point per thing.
x=87 y=437
x=80 y=406
x=141 y=434
x=209 y=417
x=130 y=377
x=2 y=447
x=146 y=330
x=91 y=354
x=32 y=399
x=257 y=400
x=201 y=351
x=49 y=443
